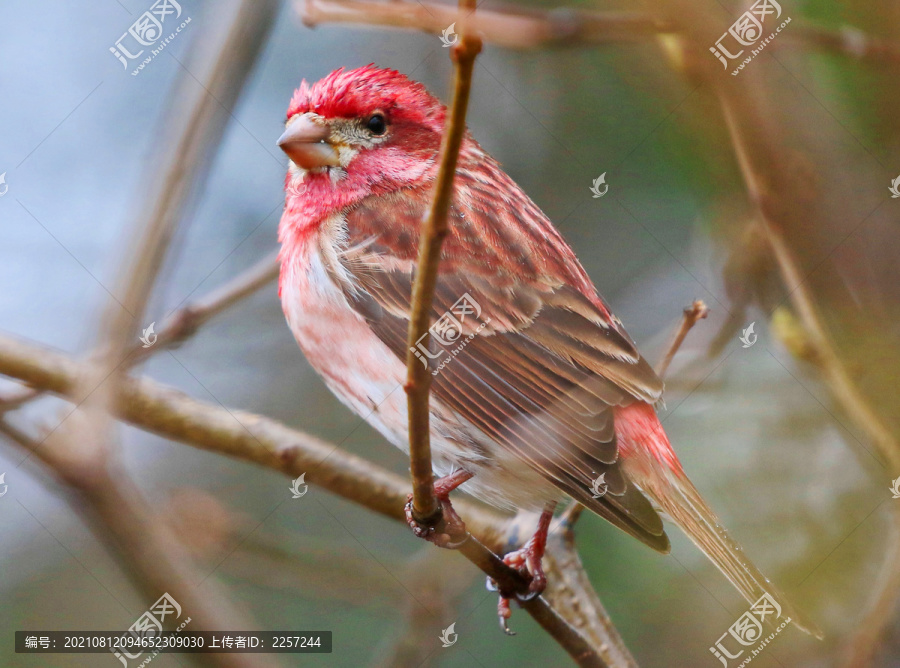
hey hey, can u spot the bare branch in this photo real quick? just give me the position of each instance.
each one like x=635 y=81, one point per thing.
x=425 y=506
x=523 y=28
x=201 y=105
x=239 y=434
x=82 y=452
x=263 y=441
x=696 y=311
x=21 y=396
x=513 y=28
x=833 y=370
x=185 y=322
x=122 y=517
x=569 y=589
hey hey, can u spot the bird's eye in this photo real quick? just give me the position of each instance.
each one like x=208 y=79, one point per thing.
x=376 y=124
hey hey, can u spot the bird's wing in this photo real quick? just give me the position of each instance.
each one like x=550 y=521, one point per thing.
x=543 y=365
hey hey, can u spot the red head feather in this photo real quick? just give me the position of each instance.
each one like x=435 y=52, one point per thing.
x=360 y=92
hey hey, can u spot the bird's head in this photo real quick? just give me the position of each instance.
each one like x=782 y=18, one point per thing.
x=364 y=127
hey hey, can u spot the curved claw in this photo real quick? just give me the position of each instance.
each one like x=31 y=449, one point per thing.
x=504 y=613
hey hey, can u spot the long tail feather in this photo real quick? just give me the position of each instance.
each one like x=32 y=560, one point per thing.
x=655 y=469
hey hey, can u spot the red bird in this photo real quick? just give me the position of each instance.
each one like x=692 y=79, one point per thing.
x=537 y=390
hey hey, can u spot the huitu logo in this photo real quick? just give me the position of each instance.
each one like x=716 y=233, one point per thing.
x=3 y=186
x=447 y=33
x=3 y=485
x=297 y=484
x=150 y=625
x=748 y=630
x=599 y=486
x=148 y=31
x=895 y=488
x=748 y=337
x=448 y=331
x=746 y=31
x=599 y=181
x=148 y=338
x=895 y=187
x=449 y=636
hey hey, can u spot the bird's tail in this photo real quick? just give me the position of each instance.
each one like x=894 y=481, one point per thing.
x=654 y=467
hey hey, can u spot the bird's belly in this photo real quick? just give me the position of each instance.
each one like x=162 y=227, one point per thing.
x=368 y=377
x=339 y=345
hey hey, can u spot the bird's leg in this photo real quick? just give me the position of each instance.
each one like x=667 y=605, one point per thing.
x=451 y=531
x=527 y=561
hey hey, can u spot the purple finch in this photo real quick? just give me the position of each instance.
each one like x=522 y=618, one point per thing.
x=548 y=393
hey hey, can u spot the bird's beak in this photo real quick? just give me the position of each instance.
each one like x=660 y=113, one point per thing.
x=306 y=143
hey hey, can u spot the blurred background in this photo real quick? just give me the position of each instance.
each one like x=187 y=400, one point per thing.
x=760 y=429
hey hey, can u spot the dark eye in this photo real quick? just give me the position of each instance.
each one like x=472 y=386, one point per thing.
x=376 y=124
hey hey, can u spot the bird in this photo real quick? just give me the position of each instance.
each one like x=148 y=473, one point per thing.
x=537 y=389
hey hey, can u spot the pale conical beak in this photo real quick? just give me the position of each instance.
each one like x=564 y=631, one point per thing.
x=306 y=144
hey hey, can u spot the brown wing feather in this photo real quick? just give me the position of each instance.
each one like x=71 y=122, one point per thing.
x=541 y=379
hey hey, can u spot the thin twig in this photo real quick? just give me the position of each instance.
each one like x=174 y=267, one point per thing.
x=83 y=452
x=513 y=28
x=571 y=514
x=835 y=373
x=696 y=311
x=524 y=28
x=425 y=506
x=19 y=397
x=185 y=322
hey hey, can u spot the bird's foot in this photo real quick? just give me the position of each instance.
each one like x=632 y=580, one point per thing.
x=450 y=532
x=527 y=561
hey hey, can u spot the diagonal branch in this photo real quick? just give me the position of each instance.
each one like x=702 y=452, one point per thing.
x=122 y=517
x=185 y=322
x=833 y=369
x=696 y=311
x=246 y=436
x=266 y=442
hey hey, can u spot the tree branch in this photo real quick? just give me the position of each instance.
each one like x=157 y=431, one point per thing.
x=835 y=373
x=185 y=322
x=426 y=508
x=513 y=28
x=121 y=516
x=260 y=440
x=573 y=591
x=246 y=436
x=82 y=451
x=521 y=28
x=696 y=311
